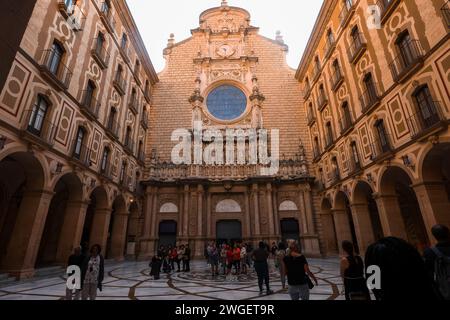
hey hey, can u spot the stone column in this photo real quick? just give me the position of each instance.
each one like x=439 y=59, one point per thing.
x=302 y=214
x=275 y=212
x=119 y=235
x=390 y=216
x=100 y=228
x=434 y=204
x=23 y=246
x=71 y=230
x=199 y=246
x=186 y=211
x=256 y=209
x=145 y=245
x=309 y=210
x=247 y=229
x=342 y=226
x=363 y=226
x=209 y=234
x=270 y=209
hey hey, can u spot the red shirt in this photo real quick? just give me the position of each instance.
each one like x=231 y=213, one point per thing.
x=237 y=254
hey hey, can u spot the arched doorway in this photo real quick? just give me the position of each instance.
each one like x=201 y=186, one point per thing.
x=115 y=245
x=167 y=233
x=23 y=208
x=402 y=210
x=290 y=229
x=343 y=219
x=97 y=214
x=60 y=231
x=228 y=231
x=328 y=227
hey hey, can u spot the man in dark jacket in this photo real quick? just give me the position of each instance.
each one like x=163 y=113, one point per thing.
x=92 y=273
x=260 y=257
x=75 y=259
x=187 y=259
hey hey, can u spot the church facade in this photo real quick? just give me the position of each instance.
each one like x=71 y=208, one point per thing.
x=227 y=76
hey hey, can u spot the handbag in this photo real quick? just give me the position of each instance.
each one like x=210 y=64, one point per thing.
x=309 y=282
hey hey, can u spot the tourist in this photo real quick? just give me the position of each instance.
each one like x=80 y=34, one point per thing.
x=213 y=258
x=244 y=259
x=403 y=272
x=273 y=250
x=175 y=259
x=155 y=266
x=237 y=259
x=75 y=259
x=437 y=261
x=223 y=258
x=180 y=256
x=298 y=273
x=353 y=275
x=229 y=259
x=92 y=273
x=260 y=257
x=167 y=268
x=279 y=256
x=187 y=259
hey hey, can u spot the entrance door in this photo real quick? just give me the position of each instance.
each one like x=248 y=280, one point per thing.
x=167 y=233
x=290 y=230
x=229 y=231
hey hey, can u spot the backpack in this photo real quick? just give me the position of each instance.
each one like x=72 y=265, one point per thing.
x=442 y=273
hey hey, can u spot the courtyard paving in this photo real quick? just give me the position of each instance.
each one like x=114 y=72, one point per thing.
x=131 y=280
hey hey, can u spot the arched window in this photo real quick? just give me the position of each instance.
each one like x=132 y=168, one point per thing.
x=335 y=169
x=330 y=38
x=55 y=58
x=124 y=42
x=137 y=67
x=328 y=134
x=112 y=118
x=128 y=137
x=79 y=141
x=346 y=120
x=38 y=115
x=383 y=139
x=355 y=156
x=317 y=64
x=105 y=160
x=123 y=170
x=89 y=93
x=316 y=147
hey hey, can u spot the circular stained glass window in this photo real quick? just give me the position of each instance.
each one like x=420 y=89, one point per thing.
x=226 y=102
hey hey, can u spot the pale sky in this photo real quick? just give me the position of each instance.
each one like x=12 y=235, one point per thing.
x=157 y=19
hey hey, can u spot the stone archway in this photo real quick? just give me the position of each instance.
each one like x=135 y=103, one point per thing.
x=65 y=215
x=23 y=209
x=117 y=230
x=95 y=227
x=399 y=208
x=434 y=189
x=328 y=227
x=343 y=220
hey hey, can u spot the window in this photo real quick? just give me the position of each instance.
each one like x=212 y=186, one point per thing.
x=128 y=137
x=119 y=73
x=112 y=118
x=133 y=95
x=316 y=147
x=37 y=117
x=427 y=109
x=123 y=170
x=348 y=3
x=317 y=64
x=335 y=169
x=147 y=87
x=140 y=148
x=329 y=133
x=79 y=142
x=330 y=38
x=105 y=158
x=100 y=42
x=370 y=87
x=69 y=3
x=55 y=58
x=137 y=67
x=355 y=154
x=226 y=102
x=346 y=116
x=404 y=45
x=355 y=33
x=382 y=136
x=124 y=42
x=89 y=95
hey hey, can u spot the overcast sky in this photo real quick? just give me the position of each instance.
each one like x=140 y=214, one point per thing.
x=156 y=19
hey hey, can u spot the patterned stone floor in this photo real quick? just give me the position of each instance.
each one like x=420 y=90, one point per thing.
x=131 y=280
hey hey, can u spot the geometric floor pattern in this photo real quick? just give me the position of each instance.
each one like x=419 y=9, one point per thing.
x=131 y=280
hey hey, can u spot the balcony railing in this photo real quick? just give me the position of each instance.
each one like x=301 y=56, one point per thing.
x=369 y=99
x=346 y=12
x=331 y=44
x=381 y=147
x=335 y=176
x=107 y=17
x=55 y=70
x=144 y=120
x=119 y=84
x=73 y=14
x=345 y=122
x=129 y=145
x=426 y=120
x=81 y=153
x=311 y=118
x=100 y=55
x=446 y=13
x=404 y=64
x=354 y=165
x=133 y=105
x=322 y=101
x=357 y=48
x=113 y=129
x=39 y=128
x=89 y=104
x=386 y=8
x=336 y=79
x=106 y=171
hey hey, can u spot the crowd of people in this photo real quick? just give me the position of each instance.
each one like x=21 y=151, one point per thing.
x=405 y=273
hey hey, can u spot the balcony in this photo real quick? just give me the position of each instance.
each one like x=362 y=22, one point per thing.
x=54 y=70
x=354 y=166
x=311 y=118
x=89 y=105
x=387 y=7
x=357 y=48
x=335 y=176
x=106 y=170
x=407 y=62
x=107 y=17
x=133 y=105
x=329 y=49
x=446 y=13
x=336 y=79
x=322 y=101
x=38 y=128
x=129 y=146
x=81 y=154
x=346 y=123
x=113 y=129
x=73 y=14
x=381 y=149
x=144 y=120
x=427 y=121
x=119 y=84
x=369 y=99
x=346 y=13
x=100 y=55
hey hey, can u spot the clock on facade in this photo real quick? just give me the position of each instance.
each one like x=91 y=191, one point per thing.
x=226 y=102
x=225 y=51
